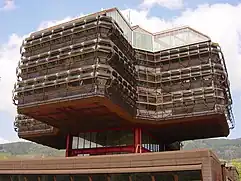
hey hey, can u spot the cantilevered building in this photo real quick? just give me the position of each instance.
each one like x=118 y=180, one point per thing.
x=120 y=89
x=98 y=87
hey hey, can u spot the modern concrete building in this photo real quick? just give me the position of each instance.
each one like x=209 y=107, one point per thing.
x=98 y=86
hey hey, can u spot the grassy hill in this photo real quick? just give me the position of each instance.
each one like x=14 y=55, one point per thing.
x=27 y=149
x=226 y=149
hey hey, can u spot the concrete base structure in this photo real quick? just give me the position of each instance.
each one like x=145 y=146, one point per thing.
x=173 y=165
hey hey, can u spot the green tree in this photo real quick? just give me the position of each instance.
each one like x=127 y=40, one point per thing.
x=237 y=164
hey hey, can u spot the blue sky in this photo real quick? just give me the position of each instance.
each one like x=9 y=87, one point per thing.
x=216 y=18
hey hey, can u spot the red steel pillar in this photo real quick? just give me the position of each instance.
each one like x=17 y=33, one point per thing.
x=137 y=140
x=69 y=142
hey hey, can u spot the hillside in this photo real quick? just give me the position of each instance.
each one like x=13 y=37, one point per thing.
x=27 y=149
x=227 y=149
x=224 y=148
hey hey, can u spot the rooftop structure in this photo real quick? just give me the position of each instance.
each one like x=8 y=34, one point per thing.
x=96 y=85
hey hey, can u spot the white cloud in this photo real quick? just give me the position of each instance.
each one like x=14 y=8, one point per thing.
x=3 y=141
x=8 y=5
x=149 y=23
x=170 y=4
x=219 y=21
x=47 y=24
x=9 y=57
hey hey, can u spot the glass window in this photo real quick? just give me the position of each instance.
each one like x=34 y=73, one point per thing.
x=62 y=178
x=80 y=142
x=31 y=177
x=75 y=142
x=93 y=140
x=181 y=176
x=141 y=177
x=122 y=23
x=142 y=41
x=105 y=138
x=150 y=143
x=99 y=177
x=87 y=140
x=4 y=178
x=189 y=175
x=120 y=177
x=46 y=177
x=13 y=177
x=19 y=178
x=80 y=178
x=167 y=176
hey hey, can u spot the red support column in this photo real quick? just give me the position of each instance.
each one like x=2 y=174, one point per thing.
x=69 y=141
x=137 y=140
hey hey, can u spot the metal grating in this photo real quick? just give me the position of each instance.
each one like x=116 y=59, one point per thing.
x=91 y=57
x=187 y=81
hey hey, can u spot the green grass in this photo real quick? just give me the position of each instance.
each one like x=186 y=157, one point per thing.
x=237 y=164
x=4 y=155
